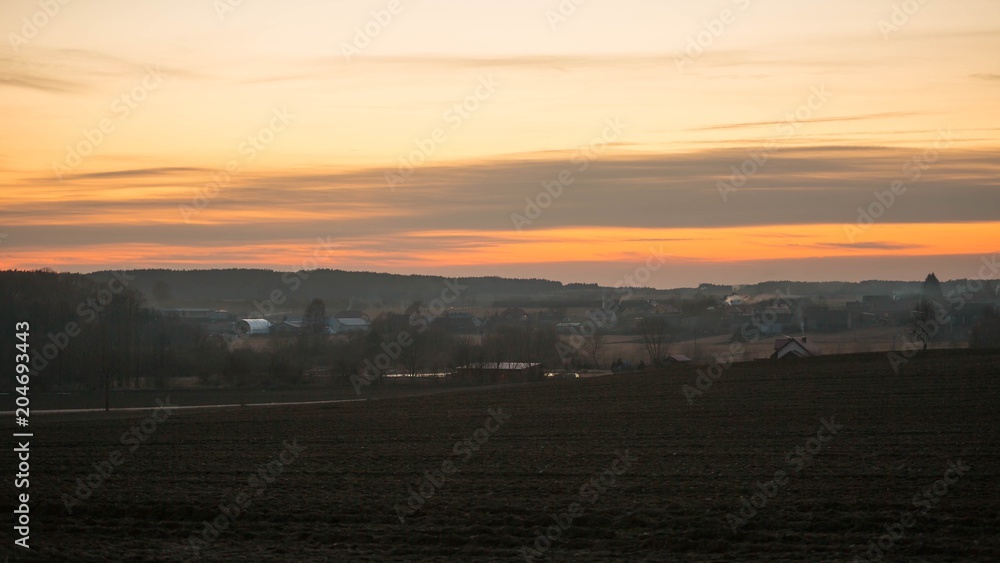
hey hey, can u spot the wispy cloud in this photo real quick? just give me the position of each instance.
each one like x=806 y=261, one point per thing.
x=18 y=73
x=799 y=186
x=865 y=117
x=317 y=68
x=76 y=70
x=868 y=245
x=134 y=173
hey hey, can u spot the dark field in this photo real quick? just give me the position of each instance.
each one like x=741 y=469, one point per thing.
x=199 y=397
x=688 y=467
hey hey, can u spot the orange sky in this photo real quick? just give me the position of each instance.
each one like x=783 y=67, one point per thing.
x=743 y=138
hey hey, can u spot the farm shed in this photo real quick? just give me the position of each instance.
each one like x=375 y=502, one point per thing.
x=289 y=326
x=340 y=325
x=353 y=314
x=253 y=327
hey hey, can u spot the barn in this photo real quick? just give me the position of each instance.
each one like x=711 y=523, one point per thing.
x=253 y=327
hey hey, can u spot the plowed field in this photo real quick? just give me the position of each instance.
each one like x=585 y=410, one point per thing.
x=825 y=459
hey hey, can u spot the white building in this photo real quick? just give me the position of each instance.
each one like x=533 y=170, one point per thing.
x=253 y=327
x=342 y=325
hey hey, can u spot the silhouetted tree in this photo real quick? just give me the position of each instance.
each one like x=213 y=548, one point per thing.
x=932 y=289
x=595 y=346
x=162 y=293
x=315 y=317
x=986 y=332
x=931 y=307
x=655 y=339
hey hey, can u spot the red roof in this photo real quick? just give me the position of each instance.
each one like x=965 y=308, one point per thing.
x=809 y=347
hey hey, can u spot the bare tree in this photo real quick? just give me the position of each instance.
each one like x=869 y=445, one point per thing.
x=655 y=339
x=595 y=347
x=413 y=355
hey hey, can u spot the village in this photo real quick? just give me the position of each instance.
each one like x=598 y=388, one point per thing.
x=514 y=344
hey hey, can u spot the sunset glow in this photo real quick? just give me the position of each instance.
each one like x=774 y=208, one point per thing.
x=745 y=140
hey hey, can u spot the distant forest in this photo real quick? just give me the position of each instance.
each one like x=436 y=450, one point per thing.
x=109 y=328
x=88 y=332
x=378 y=290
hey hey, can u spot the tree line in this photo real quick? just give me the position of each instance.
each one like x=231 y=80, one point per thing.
x=90 y=334
x=94 y=332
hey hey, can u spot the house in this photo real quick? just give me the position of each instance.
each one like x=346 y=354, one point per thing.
x=794 y=347
x=638 y=305
x=289 y=326
x=827 y=319
x=513 y=314
x=737 y=311
x=490 y=373
x=253 y=327
x=353 y=314
x=678 y=359
x=460 y=321
x=343 y=325
x=666 y=309
x=603 y=318
x=856 y=308
x=877 y=303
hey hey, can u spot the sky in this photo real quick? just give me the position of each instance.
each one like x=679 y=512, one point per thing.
x=723 y=141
